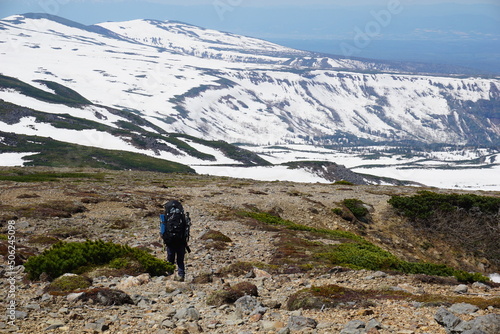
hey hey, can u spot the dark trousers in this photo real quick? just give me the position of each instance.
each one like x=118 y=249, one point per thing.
x=177 y=253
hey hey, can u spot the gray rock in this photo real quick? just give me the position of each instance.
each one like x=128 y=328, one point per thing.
x=272 y=304
x=300 y=322
x=377 y=274
x=488 y=324
x=100 y=327
x=55 y=326
x=34 y=306
x=285 y=330
x=482 y=286
x=167 y=324
x=462 y=288
x=74 y=296
x=193 y=327
x=373 y=323
x=447 y=319
x=46 y=297
x=246 y=305
x=189 y=313
x=21 y=315
x=354 y=327
x=109 y=297
x=145 y=303
x=463 y=308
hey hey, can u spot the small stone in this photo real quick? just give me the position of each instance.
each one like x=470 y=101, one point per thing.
x=373 y=324
x=167 y=324
x=300 y=322
x=55 y=322
x=193 y=327
x=481 y=286
x=55 y=326
x=189 y=313
x=373 y=331
x=255 y=317
x=74 y=296
x=354 y=327
x=246 y=305
x=21 y=315
x=35 y=307
x=462 y=288
x=261 y=273
x=365 y=312
x=285 y=330
x=463 y=308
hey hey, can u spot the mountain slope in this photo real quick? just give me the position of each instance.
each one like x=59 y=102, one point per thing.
x=80 y=123
x=219 y=86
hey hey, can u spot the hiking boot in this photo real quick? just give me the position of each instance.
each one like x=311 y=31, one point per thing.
x=179 y=278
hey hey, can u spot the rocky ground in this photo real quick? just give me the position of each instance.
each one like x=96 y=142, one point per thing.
x=123 y=207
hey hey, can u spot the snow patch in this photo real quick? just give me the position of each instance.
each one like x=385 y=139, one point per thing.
x=14 y=159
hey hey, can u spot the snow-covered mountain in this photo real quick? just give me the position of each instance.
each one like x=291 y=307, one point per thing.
x=215 y=85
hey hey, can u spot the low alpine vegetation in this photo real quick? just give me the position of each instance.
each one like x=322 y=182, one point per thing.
x=304 y=252
x=318 y=297
x=67 y=283
x=215 y=239
x=62 y=209
x=275 y=220
x=468 y=220
x=78 y=257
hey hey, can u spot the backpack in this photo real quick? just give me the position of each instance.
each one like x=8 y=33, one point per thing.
x=174 y=225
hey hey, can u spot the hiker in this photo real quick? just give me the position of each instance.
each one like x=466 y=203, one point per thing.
x=174 y=230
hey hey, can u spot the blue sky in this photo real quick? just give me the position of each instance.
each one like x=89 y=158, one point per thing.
x=464 y=31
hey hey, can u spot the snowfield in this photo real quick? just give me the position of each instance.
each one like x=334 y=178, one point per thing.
x=222 y=86
x=285 y=104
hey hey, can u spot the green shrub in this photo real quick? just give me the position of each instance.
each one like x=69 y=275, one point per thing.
x=426 y=203
x=71 y=257
x=337 y=211
x=68 y=283
x=368 y=256
x=119 y=263
x=343 y=182
x=357 y=208
x=361 y=256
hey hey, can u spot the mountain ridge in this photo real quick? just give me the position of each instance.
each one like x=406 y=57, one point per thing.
x=310 y=100
x=197 y=84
